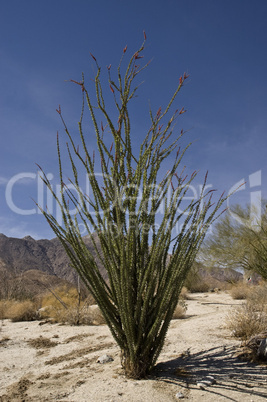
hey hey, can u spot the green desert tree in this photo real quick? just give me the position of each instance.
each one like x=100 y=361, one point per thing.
x=238 y=241
x=255 y=259
x=130 y=215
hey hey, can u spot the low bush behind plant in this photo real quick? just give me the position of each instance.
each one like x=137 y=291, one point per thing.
x=26 y=310
x=180 y=310
x=240 y=291
x=65 y=305
x=250 y=318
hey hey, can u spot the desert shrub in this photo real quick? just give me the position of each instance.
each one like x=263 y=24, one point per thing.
x=180 y=310
x=194 y=282
x=251 y=318
x=257 y=295
x=26 y=310
x=82 y=314
x=93 y=316
x=199 y=286
x=4 y=307
x=184 y=295
x=62 y=304
x=65 y=305
x=61 y=296
x=240 y=291
x=245 y=321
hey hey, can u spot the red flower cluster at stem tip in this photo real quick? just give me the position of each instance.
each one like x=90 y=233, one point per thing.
x=182 y=78
x=93 y=56
x=79 y=83
x=136 y=56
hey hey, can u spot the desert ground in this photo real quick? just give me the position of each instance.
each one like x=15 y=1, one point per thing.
x=53 y=362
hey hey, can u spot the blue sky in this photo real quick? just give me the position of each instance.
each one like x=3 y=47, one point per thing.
x=220 y=43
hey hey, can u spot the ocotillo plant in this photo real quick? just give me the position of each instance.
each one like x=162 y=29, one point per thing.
x=144 y=283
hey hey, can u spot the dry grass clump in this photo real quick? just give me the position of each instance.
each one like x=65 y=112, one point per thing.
x=199 y=287
x=240 y=291
x=94 y=316
x=197 y=282
x=184 y=295
x=258 y=295
x=65 y=305
x=245 y=321
x=250 y=319
x=41 y=342
x=180 y=310
x=4 y=307
x=14 y=310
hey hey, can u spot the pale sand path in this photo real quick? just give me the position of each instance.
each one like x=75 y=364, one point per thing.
x=68 y=370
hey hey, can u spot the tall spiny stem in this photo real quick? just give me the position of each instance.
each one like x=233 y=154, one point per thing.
x=133 y=238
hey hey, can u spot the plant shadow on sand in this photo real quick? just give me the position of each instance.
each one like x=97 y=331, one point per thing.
x=229 y=372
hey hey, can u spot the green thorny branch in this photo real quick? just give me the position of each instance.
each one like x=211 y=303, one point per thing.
x=144 y=283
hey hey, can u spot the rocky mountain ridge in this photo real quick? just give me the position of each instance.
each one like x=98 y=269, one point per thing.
x=35 y=264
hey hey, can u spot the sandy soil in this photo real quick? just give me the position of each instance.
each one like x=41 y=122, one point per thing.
x=59 y=363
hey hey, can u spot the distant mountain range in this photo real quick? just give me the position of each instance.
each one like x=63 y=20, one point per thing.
x=29 y=266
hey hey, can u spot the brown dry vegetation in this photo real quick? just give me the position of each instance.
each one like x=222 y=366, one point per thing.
x=63 y=305
x=240 y=291
x=250 y=318
x=15 y=310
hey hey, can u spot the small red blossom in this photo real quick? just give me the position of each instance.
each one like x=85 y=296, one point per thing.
x=181 y=80
x=124 y=50
x=112 y=90
x=59 y=109
x=93 y=56
x=79 y=83
x=182 y=110
x=144 y=35
x=159 y=112
x=136 y=56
